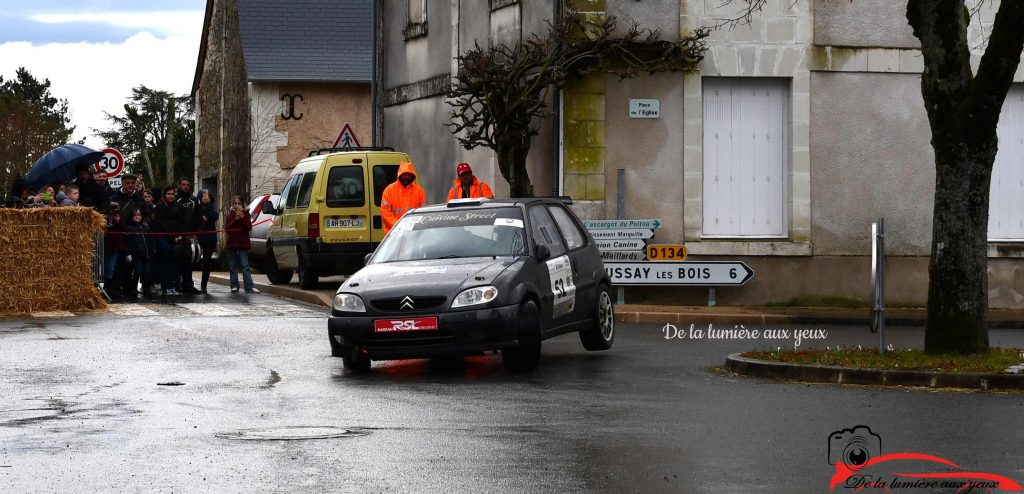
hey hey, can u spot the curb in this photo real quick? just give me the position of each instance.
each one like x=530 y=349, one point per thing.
x=281 y=291
x=739 y=364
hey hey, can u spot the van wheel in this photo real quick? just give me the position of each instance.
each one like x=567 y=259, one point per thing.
x=275 y=275
x=526 y=354
x=308 y=278
x=600 y=335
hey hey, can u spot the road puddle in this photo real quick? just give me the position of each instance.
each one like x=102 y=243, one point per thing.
x=292 y=433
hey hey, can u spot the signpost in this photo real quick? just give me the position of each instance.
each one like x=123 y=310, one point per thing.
x=622 y=234
x=663 y=252
x=112 y=162
x=710 y=273
x=618 y=255
x=346 y=138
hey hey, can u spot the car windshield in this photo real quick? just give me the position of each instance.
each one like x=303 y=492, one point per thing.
x=454 y=234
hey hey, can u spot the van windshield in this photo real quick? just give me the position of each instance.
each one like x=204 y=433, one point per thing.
x=455 y=234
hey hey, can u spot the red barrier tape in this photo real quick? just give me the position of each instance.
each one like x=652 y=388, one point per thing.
x=183 y=234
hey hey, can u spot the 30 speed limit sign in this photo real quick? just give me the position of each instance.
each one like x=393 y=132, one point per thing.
x=112 y=162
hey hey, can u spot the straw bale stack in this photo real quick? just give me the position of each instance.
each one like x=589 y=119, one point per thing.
x=46 y=260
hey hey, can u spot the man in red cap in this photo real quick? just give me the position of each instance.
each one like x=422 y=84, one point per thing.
x=467 y=185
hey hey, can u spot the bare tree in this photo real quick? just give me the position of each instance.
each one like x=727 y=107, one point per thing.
x=499 y=90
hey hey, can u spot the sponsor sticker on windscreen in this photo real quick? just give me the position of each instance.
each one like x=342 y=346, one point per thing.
x=513 y=222
x=405 y=325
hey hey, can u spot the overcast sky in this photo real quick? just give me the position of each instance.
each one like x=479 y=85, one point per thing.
x=93 y=52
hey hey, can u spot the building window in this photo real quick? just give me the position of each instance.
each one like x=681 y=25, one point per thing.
x=506 y=25
x=417 y=26
x=1006 y=202
x=745 y=157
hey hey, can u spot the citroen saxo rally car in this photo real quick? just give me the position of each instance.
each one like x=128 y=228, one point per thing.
x=472 y=276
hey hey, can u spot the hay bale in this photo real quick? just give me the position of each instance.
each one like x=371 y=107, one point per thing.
x=46 y=256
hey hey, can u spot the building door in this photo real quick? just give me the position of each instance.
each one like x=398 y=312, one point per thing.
x=745 y=157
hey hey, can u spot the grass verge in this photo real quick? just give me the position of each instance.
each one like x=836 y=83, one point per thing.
x=997 y=361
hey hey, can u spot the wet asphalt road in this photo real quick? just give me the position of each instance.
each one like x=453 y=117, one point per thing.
x=82 y=408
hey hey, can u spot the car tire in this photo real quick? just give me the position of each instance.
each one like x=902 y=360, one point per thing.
x=355 y=360
x=274 y=275
x=526 y=354
x=308 y=278
x=601 y=334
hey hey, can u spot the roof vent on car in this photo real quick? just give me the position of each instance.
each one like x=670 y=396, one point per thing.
x=475 y=201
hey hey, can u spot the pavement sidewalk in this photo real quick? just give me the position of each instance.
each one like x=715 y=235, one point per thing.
x=662 y=314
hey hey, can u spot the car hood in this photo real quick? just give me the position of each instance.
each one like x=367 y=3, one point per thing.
x=433 y=277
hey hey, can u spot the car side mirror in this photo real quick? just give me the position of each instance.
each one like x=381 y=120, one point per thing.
x=543 y=253
x=268 y=208
x=366 y=258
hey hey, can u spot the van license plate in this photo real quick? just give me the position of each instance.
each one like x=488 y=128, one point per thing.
x=344 y=222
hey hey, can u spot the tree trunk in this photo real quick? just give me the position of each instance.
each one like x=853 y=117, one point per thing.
x=171 y=120
x=958 y=268
x=512 y=163
x=140 y=140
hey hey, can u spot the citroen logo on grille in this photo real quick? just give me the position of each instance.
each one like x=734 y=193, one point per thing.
x=407 y=304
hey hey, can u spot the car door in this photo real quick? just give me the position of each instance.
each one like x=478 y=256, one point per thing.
x=557 y=282
x=384 y=171
x=284 y=247
x=344 y=209
x=584 y=258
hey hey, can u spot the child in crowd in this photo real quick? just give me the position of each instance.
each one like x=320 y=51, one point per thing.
x=237 y=226
x=207 y=241
x=140 y=250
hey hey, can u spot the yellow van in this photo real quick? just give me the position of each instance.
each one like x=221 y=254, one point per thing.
x=329 y=215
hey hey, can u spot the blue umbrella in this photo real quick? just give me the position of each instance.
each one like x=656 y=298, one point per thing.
x=59 y=164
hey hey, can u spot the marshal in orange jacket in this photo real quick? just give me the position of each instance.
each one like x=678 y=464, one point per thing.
x=478 y=189
x=398 y=199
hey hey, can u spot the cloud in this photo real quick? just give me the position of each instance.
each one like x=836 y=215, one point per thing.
x=20 y=29
x=23 y=7
x=98 y=77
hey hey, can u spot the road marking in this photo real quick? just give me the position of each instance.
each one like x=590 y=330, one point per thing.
x=132 y=310
x=211 y=310
x=53 y=313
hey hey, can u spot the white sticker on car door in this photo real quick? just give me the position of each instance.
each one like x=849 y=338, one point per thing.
x=562 y=286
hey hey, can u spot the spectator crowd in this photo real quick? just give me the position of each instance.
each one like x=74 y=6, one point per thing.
x=153 y=239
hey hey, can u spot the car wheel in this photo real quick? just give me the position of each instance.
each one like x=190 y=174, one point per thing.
x=601 y=334
x=275 y=275
x=526 y=354
x=308 y=279
x=355 y=360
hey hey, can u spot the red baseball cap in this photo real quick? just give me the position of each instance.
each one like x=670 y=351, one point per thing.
x=463 y=168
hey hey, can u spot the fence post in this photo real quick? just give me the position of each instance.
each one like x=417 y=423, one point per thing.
x=878 y=281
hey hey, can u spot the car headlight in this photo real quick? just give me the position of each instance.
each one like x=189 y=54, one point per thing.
x=346 y=302
x=475 y=296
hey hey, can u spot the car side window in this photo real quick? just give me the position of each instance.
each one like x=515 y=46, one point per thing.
x=306 y=189
x=545 y=232
x=289 y=188
x=574 y=238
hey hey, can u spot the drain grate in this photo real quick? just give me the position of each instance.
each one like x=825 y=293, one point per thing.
x=292 y=433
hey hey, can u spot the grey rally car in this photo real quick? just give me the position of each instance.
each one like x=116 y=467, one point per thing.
x=473 y=276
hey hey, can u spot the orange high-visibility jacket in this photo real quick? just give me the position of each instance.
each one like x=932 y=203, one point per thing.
x=478 y=189
x=398 y=200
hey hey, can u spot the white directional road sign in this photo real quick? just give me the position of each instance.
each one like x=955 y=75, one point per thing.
x=618 y=224
x=622 y=234
x=721 y=273
x=629 y=255
x=631 y=244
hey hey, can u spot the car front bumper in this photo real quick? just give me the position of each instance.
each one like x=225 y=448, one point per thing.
x=459 y=333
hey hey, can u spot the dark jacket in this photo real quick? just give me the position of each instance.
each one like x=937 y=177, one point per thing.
x=169 y=218
x=129 y=203
x=191 y=212
x=208 y=222
x=113 y=239
x=90 y=194
x=138 y=244
x=237 y=227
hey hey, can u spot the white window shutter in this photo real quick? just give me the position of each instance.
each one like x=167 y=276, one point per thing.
x=744 y=157
x=1006 y=200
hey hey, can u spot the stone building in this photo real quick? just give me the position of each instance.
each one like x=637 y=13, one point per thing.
x=794 y=135
x=274 y=81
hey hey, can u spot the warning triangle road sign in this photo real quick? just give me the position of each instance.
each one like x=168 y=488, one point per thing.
x=347 y=138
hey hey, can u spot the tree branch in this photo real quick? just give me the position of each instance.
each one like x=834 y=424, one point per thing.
x=998 y=64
